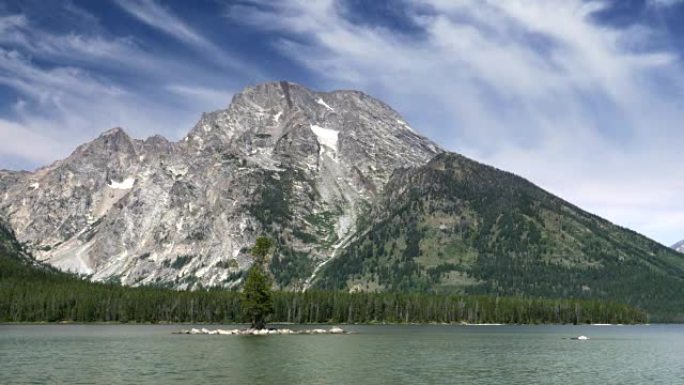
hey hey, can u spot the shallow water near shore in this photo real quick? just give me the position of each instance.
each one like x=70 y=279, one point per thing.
x=382 y=354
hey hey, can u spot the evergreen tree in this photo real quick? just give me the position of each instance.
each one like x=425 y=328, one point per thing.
x=261 y=248
x=256 y=294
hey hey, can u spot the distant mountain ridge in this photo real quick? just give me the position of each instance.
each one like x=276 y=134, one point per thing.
x=679 y=246
x=354 y=198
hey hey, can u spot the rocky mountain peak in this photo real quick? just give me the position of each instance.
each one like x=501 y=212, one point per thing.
x=111 y=142
x=269 y=111
x=114 y=131
x=300 y=165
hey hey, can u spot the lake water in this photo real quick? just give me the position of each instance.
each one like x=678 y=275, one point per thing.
x=430 y=354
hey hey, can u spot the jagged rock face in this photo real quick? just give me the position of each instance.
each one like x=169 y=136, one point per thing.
x=299 y=165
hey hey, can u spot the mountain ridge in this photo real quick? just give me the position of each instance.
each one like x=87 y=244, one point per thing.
x=456 y=225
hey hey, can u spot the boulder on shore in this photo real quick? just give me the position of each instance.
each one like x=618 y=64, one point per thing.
x=581 y=338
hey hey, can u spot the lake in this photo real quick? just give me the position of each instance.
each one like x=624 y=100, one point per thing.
x=411 y=354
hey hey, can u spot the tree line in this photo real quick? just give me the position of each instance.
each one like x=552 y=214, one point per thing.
x=80 y=301
x=35 y=293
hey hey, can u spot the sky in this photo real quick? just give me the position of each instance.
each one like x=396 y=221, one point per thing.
x=583 y=98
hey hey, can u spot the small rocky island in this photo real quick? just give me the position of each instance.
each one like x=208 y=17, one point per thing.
x=261 y=332
x=257 y=302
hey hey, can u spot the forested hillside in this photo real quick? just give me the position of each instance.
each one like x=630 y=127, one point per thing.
x=30 y=292
x=457 y=226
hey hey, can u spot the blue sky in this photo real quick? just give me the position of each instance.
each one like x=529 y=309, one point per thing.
x=585 y=98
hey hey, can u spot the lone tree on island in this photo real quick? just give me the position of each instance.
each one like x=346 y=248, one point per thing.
x=256 y=294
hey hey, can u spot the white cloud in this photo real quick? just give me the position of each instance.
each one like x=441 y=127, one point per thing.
x=535 y=87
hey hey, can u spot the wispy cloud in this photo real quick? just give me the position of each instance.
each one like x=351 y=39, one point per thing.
x=18 y=34
x=664 y=3
x=161 y=18
x=57 y=106
x=157 y=16
x=537 y=87
x=209 y=97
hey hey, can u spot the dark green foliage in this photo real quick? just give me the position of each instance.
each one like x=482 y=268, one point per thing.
x=298 y=231
x=341 y=307
x=55 y=297
x=272 y=207
x=236 y=275
x=30 y=292
x=229 y=264
x=290 y=267
x=256 y=294
x=463 y=227
x=256 y=298
x=179 y=262
x=304 y=236
x=261 y=248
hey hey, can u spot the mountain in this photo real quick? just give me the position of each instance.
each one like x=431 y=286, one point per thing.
x=299 y=165
x=455 y=225
x=352 y=196
x=679 y=246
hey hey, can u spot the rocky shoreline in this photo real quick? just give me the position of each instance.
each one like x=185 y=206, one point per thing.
x=260 y=332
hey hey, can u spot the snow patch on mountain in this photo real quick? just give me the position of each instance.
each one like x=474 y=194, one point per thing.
x=326 y=136
x=403 y=123
x=126 y=184
x=324 y=104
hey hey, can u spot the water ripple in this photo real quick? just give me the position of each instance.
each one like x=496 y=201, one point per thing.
x=125 y=354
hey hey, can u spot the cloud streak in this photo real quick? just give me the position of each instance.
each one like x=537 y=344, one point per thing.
x=664 y=3
x=161 y=18
x=155 y=15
